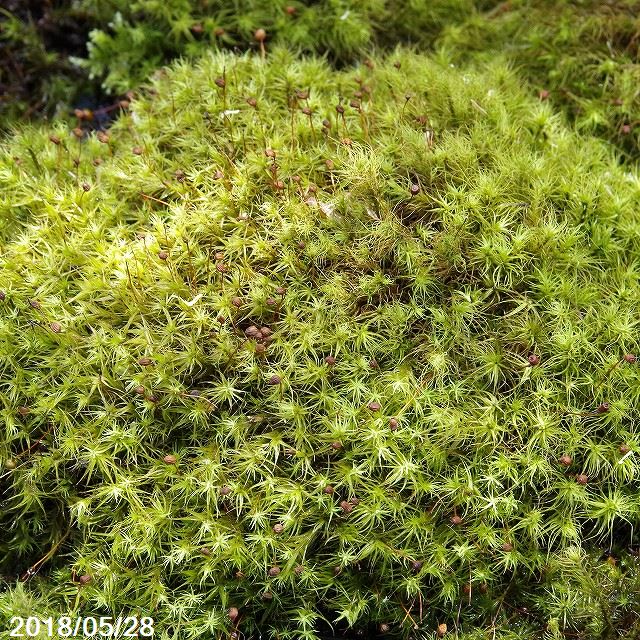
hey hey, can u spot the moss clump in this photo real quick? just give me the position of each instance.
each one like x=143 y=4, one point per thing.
x=342 y=30
x=204 y=258
x=52 y=49
x=581 y=56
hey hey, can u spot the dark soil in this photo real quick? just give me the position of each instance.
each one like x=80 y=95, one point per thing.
x=34 y=58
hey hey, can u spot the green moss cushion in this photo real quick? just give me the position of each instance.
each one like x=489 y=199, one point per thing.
x=313 y=345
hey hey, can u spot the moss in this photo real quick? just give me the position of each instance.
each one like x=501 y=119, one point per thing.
x=57 y=54
x=342 y=30
x=581 y=56
x=155 y=446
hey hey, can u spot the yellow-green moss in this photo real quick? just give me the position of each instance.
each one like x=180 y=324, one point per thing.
x=488 y=311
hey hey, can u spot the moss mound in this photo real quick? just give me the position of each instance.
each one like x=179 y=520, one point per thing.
x=55 y=54
x=342 y=30
x=582 y=56
x=321 y=347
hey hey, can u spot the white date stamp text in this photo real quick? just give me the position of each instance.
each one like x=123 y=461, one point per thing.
x=84 y=627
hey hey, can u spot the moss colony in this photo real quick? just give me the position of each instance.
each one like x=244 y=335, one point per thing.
x=581 y=56
x=52 y=48
x=291 y=347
